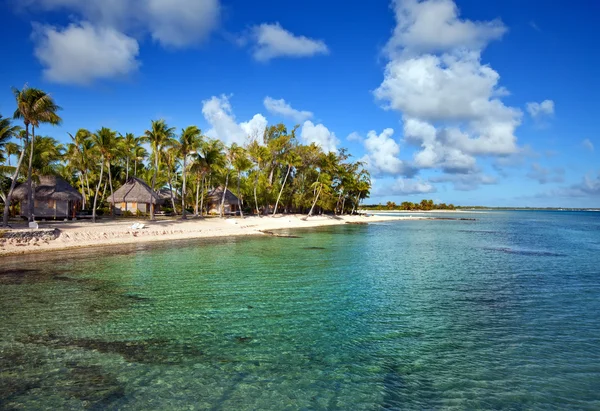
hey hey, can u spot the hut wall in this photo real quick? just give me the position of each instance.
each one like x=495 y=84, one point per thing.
x=132 y=207
x=214 y=207
x=47 y=208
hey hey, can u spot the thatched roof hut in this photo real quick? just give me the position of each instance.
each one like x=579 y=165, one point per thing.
x=49 y=188
x=216 y=195
x=135 y=191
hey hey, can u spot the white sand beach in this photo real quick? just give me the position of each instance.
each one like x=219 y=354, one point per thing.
x=76 y=234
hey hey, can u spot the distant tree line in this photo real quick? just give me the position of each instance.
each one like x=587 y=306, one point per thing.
x=424 y=205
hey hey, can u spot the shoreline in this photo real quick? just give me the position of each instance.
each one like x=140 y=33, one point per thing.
x=83 y=234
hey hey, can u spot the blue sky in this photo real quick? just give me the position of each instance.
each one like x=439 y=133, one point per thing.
x=462 y=101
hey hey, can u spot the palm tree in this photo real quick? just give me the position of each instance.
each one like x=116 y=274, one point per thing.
x=129 y=143
x=291 y=159
x=106 y=142
x=241 y=163
x=7 y=131
x=158 y=136
x=34 y=106
x=78 y=157
x=258 y=154
x=207 y=159
x=23 y=135
x=189 y=142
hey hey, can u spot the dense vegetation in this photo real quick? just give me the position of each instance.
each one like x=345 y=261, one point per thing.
x=424 y=205
x=269 y=174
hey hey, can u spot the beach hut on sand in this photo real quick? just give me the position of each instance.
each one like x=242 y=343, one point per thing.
x=135 y=195
x=215 y=196
x=53 y=198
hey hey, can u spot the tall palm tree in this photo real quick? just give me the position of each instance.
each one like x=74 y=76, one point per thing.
x=158 y=136
x=129 y=143
x=106 y=142
x=7 y=132
x=23 y=136
x=34 y=107
x=258 y=154
x=241 y=163
x=291 y=159
x=189 y=142
x=78 y=157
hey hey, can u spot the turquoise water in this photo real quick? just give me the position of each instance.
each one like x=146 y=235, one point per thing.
x=498 y=313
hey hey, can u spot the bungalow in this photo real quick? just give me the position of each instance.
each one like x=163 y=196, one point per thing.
x=135 y=195
x=53 y=198
x=215 y=197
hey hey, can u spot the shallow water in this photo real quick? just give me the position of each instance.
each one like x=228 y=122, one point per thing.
x=498 y=313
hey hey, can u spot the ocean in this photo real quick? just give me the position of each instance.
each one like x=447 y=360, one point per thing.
x=498 y=313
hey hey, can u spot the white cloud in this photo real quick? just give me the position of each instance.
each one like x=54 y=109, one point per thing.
x=110 y=29
x=274 y=41
x=82 y=53
x=280 y=107
x=587 y=144
x=466 y=182
x=545 y=175
x=180 y=23
x=218 y=113
x=405 y=186
x=173 y=23
x=382 y=153
x=540 y=110
x=434 y=26
x=354 y=136
x=320 y=135
x=449 y=100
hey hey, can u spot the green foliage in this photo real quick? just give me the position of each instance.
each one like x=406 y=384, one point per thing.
x=424 y=205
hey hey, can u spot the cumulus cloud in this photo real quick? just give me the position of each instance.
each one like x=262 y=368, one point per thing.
x=449 y=100
x=545 y=175
x=434 y=26
x=354 y=136
x=587 y=144
x=272 y=41
x=320 y=135
x=382 y=154
x=466 y=182
x=588 y=187
x=106 y=33
x=81 y=53
x=542 y=110
x=406 y=186
x=281 y=108
x=219 y=114
x=180 y=23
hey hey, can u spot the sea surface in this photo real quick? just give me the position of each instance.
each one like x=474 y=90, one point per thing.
x=498 y=313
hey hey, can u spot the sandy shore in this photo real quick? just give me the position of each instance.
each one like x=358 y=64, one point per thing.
x=76 y=234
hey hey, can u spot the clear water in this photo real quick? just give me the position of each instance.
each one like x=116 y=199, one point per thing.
x=498 y=313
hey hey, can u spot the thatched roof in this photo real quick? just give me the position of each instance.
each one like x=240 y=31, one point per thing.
x=165 y=194
x=49 y=188
x=134 y=191
x=216 y=195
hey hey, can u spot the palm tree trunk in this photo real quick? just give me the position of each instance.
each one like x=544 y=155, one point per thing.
x=87 y=182
x=14 y=180
x=343 y=205
x=103 y=198
x=223 y=197
x=154 y=183
x=30 y=196
x=183 y=189
x=82 y=188
x=197 y=193
x=202 y=196
x=255 y=197
x=282 y=186
x=316 y=199
x=97 y=191
x=112 y=194
x=172 y=197
x=127 y=170
x=135 y=168
x=238 y=194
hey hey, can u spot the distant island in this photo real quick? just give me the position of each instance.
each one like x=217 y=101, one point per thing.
x=429 y=205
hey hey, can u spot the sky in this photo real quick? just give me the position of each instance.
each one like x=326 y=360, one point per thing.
x=466 y=102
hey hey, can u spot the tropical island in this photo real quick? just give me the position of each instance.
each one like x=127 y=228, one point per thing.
x=106 y=180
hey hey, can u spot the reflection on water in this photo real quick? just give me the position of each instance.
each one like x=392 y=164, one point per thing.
x=498 y=313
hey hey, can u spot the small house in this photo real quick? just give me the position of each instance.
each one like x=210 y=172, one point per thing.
x=135 y=195
x=215 y=197
x=53 y=198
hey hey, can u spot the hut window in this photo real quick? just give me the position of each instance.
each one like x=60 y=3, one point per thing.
x=51 y=204
x=134 y=205
x=123 y=206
